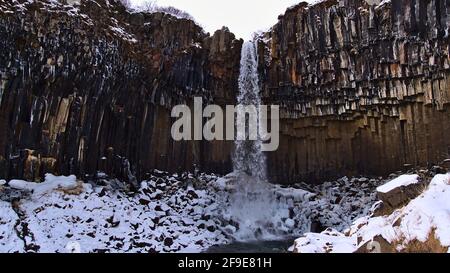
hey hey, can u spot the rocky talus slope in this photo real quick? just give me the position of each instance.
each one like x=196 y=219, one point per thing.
x=364 y=88
x=168 y=213
x=418 y=223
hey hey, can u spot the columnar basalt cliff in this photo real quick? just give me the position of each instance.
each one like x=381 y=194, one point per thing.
x=89 y=88
x=364 y=88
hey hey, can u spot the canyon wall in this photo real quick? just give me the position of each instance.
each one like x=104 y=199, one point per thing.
x=90 y=88
x=363 y=88
x=86 y=88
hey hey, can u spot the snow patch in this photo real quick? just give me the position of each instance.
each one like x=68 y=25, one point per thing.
x=9 y=241
x=401 y=181
x=51 y=183
x=330 y=241
x=123 y=34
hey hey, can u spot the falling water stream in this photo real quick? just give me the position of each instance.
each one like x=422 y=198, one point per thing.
x=253 y=204
x=248 y=156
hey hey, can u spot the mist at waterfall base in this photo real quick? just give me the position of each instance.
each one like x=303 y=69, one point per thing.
x=253 y=205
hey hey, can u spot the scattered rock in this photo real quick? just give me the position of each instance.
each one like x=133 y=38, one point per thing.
x=168 y=241
x=446 y=164
x=230 y=229
x=399 y=192
x=289 y=223
x=144 y=202
x=192 y=194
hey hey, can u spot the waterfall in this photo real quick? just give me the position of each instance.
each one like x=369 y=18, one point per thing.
x=248 y=157
x=253 y=204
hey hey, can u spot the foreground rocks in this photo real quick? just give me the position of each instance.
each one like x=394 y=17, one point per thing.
x=363 y=88
x=422 y=225
x=172 y=213
x=398 y=192
x=98 y=219
x=168 y=213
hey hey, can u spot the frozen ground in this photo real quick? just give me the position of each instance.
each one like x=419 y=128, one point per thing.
x=424 y=217
x=167 y=214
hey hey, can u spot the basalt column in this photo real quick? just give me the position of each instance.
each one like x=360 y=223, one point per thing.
x=90 y=88
x=364 y=87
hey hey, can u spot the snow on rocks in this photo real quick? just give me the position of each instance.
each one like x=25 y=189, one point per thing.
x=296 y=195
x=383 y=3
x=106 y=220
x=446 y=163
x=423 y=225
x=401 y=181
x=329 y=241
x=336 y=204
x=225 y=183
x=398 y=192
x=429 y=212
x=9 y=240
x=51 y=183
x=168 y=213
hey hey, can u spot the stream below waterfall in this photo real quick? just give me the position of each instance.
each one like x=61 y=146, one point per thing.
x=263 y=246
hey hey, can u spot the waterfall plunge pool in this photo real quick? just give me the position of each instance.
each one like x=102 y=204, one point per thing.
x=263 y=246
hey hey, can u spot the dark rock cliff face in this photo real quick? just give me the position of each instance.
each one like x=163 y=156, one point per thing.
x=363 y=88
x=89 y=88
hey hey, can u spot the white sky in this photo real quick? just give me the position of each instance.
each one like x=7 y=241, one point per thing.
x=242 y=17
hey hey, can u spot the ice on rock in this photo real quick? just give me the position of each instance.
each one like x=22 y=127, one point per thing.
x=225 y=183
x=297 y=194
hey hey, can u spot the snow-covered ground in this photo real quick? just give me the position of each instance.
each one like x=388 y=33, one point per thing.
x=190 y=214
x=425 y=220
x=167 y=214
x=158 y=218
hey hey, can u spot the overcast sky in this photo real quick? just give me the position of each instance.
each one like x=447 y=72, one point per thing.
x=242 y=17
